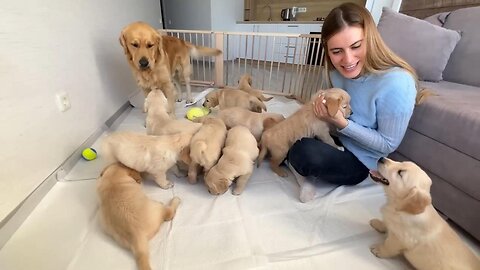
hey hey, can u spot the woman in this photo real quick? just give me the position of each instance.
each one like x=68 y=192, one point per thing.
x=383 y=88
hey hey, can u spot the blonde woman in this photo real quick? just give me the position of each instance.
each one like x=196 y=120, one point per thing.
x=383 y=88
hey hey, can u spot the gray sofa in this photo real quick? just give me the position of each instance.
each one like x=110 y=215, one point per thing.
x=443 y=134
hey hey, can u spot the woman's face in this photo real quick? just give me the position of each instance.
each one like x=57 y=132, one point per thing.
x=347 y=50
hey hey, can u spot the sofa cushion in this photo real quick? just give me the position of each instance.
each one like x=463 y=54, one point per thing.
x=452 y=117
x=464 y=63
x=425 y=46
x=438 y=19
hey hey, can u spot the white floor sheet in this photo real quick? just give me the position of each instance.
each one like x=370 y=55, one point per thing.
x=266 y=227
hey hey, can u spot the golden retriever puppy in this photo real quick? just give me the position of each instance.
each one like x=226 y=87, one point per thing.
x=227 y=97
x=237 y=116
x=206 y=146
x=245 y=84
x=159 y=122
x=278 y=139
x=127 y=214
x=237 y=161
x=145 y=153
x=159 y=60
x=413 y=226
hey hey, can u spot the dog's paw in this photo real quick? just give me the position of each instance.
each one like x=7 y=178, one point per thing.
x=341 y=148
x=307 y=192
x=378 y=250
x=378 y=225
x=167 y=185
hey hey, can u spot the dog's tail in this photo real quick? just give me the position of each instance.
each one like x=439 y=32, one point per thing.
x=257 y=105
x=263 y=152
x=262 y=97
x=200 y=51
x=140 y=250
x=197 y=149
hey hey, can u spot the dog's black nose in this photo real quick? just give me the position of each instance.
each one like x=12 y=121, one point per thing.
x=143 y=62
x=381 y=160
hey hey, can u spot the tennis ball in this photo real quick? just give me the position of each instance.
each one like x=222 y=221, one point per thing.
x=196 y=112
x=89 y=154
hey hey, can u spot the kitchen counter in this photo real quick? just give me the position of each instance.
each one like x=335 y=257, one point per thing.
x=280 y=22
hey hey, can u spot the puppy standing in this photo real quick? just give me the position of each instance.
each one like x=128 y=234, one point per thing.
x=245 y=84
x=226 y=98
x=237 y=161
x=206 y=146
x=144 y=153
x=254 y=121
x=127 y=214
x=413 y=226
x=159 y=122
x=158 y=60
x=278 y=139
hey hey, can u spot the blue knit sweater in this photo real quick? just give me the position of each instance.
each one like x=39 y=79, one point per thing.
x=382 y=104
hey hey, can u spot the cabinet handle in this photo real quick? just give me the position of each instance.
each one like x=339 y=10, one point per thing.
x=292 y=25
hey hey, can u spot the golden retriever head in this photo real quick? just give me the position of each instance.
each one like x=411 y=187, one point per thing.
x=142 y=45
x=406 y=185
x=216 y=183
x=245 y=82
x=211 y=99
x=336 y=99
x=155 y=100
x=115 y=172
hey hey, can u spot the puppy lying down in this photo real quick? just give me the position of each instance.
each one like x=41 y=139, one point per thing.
x=159 y=121
x=144 y=153
x=413 y=226
x=245 y=84
x=238 y=157
x=278 y=139
x=227 y=97
x=206 y=146
x=127 y=214
x=254 y=121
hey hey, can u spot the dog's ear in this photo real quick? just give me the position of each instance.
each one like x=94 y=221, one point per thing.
x=415 y=202
x=269 y=122
x=333 y=104
x=185 y=155
x=159 y=43
x=123 y=42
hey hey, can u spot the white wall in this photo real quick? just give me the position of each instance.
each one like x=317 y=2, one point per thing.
x=187 y=14
x=51 y=46
x=225 y=14
x=375 y=7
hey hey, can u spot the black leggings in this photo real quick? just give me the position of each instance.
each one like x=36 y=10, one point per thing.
x=312 y=157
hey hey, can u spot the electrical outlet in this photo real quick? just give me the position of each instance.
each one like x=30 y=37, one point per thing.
x=301 y=9
x=62 y=100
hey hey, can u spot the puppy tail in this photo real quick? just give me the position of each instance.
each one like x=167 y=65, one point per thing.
x=198 y=149
x=257 y=104
x=262 y=154
x=200 y=51
x=264 y=98
x=141 y=252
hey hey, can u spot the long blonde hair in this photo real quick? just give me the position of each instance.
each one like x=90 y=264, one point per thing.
x=379 y=57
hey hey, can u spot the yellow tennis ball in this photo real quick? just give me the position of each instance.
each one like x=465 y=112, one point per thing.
x=196 y=112
x=89 y=154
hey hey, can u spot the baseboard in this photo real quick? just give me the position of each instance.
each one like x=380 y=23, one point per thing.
x=14 y=220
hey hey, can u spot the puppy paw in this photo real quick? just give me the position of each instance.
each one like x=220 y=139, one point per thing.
x=166 y=185
x=236 y=192
x=341 y=148
x=378 y=225
x=378 y=250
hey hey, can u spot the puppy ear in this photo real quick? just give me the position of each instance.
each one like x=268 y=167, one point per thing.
x=160 y=53
x=185 y=155
x=415 y=202
x=123 y=42
x=269 y=122
x=333 y=104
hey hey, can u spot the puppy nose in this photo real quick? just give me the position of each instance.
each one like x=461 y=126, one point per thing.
x=143 y=62
x=381 y=160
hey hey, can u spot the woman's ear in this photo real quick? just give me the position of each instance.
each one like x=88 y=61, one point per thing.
x=333 y=104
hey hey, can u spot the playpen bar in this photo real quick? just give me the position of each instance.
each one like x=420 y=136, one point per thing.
x=293 y=65
x=307 y=79
x=203 y=58
x=271 y=63
x=264 y=34
x=219 y=59
x=264 y=62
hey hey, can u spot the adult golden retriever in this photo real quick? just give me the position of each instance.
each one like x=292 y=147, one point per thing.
x=206 y=146
x=145 y=153
x=236 y=163
x=127 y=214
x=254 y=121
x=159 y=122
x=278 y=139
x=413 y=226
x=228 y=97
x=156 y=60
x=245 y=84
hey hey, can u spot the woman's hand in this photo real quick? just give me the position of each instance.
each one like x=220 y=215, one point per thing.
x=321 y=112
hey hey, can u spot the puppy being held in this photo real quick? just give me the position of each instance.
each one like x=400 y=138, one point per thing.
x=127 y=214
x=206 y=146
x=159 y=122
x=144 y=153
x=227 y=98
x=254 y=121
x=237 y=161
x=159 y=60
x=278 y=139
x=245 y=84
x=413 y=226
